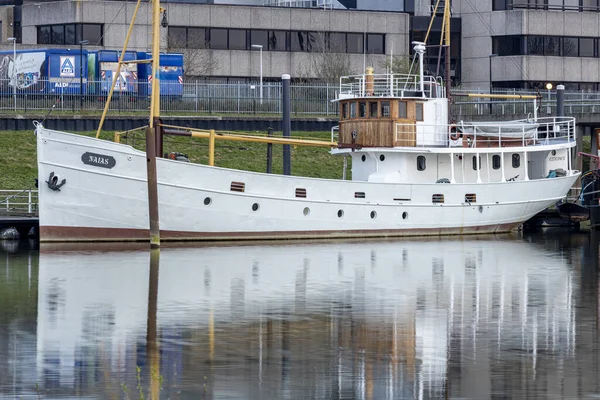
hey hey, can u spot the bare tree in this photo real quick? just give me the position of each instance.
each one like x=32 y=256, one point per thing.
x=198 y=60
x=397 y=65
x=327 y=59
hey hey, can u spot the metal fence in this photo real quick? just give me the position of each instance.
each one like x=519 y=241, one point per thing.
x=19 y=202
x=244 y=98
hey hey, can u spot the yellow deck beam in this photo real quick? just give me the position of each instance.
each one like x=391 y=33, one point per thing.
x=504 y=96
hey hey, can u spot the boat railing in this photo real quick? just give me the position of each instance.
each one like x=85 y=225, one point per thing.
x=335 y=133
x=521 y=133
x=390 y=85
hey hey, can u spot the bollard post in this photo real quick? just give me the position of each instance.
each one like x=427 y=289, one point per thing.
x=287 y=125
x=560 y=101
x=270 y=152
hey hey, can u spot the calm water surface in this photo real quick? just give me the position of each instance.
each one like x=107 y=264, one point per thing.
x=472 y=318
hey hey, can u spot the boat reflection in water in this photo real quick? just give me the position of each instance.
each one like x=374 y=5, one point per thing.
x=373 y=320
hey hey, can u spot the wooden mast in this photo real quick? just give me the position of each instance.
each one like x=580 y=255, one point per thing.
x=447 y=43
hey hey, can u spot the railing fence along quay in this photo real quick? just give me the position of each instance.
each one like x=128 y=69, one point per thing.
x=19 y=202
x=243 y=98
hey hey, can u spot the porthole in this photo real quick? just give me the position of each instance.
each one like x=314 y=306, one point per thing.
x=404 y=215
x=382 y=158
x=340 y=213
x=553 y=152
x=207 y=201
x=255 y=207
x=373 y=215
x=363 y=158
x=306 y=211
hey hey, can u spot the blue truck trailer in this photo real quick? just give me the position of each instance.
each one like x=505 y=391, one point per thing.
x=170 y=75
x=51 y=71
x=103 y=67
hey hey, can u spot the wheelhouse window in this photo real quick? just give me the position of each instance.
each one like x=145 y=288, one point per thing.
x=496 y=161
x=419 y=111
x=362 y=109
x=385 y=109
x=344 y=110
x=421 y=163
x=352 y=110
x=516 y=160
x=373 y=107
x=402 y=110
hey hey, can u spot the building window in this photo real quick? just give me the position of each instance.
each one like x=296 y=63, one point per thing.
x=237 y=39
x=64 y=34
x=402 y=111
x=277 y=41
x=421 y=163
x=355 y=43
x=560 y=46
x=242 y=39
x=375 y=43
x=218 y=39
x=516 y=160
x=419 y=111
x=373 y=109
x=496 y=161
x=260 y=38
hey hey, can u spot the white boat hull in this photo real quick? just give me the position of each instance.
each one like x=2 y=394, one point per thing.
x=102 y=202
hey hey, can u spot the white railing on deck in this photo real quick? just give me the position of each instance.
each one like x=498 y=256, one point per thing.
x=390 y=85
x=335 y=133
x=19 y=202
x=523 y=133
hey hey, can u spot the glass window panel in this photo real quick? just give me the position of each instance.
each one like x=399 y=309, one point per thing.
x=552 y=46
x=237 y=39
x=385 y=109
x=570 y=47
x=70 y=34
x=337 y=42
x=299 y=41
x=317 y=41
x=496 y=161
x=362 y=109
x=218 y=38
x=535 y=45
x=260 y=38
x=571 y=5
x=352 y=110
x=44 y=35
x=589 y=5
x=419 y=111
x=345 y=110
x=58 y=34
x=92 y=33
x=373 y=108
x=177 y=37
x=475 y=165
x=197 y=38
x=402 y=111
x=555 y=4
x=516 y=160
x=375 y=43
x=499 y=5
x=421 y=163
x=586 y=47
x=277 y=40
x=355 y=43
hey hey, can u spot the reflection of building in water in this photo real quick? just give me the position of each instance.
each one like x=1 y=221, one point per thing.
x=362 y=320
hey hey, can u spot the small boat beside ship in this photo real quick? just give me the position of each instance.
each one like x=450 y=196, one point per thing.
x=413 y=173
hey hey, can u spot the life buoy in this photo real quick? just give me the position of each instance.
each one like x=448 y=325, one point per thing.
x=454 y=132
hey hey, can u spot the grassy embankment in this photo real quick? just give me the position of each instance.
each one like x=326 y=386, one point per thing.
x=18 y=167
